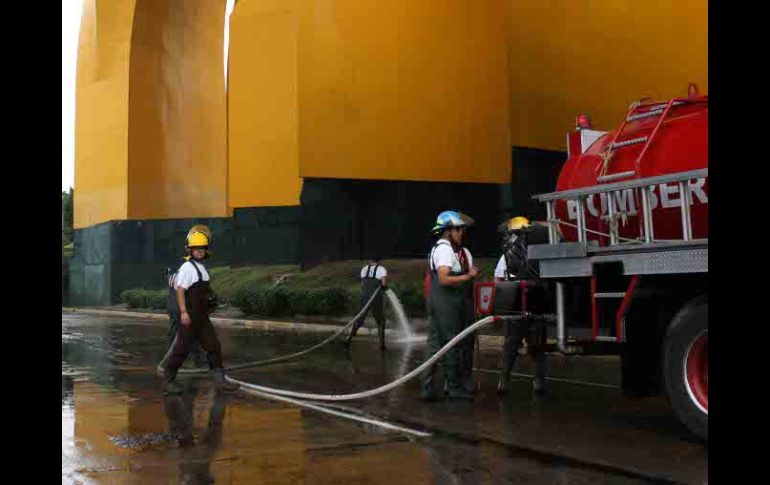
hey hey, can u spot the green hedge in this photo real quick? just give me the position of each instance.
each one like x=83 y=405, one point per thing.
x=262 y=300
x=283 y=300
x=328 y=289
x=141 y=298
x=321 y=301
x=226 y=281
x=286 y=301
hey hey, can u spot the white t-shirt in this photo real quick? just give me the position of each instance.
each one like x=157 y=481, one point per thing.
x=381 y=271
x=444 y=255
x=186 y=276
x=501 y=267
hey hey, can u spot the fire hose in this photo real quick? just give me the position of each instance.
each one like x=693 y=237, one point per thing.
x=387 y=387
x=261 y=390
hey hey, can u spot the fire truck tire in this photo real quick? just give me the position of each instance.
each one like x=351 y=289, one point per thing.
x=685 y=366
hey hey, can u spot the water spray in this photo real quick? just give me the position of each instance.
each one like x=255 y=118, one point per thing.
x=398 y=309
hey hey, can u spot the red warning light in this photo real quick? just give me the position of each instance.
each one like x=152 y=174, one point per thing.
x=583 y=122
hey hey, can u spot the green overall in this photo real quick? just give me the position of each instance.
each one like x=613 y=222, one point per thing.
x=369 y=285
x=445 y=321
x=467 y=315
x=518 y=268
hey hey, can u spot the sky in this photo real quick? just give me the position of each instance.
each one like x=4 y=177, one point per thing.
x=70 y=28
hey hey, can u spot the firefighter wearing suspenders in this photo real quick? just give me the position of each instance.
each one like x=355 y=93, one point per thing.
x=373 y=276
x=513 y=265
x=450 y=284
x=193 y=296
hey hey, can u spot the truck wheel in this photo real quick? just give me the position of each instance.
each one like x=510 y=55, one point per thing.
x=686 y=365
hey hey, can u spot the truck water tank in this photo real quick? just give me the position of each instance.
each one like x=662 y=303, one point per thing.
x=680 y=144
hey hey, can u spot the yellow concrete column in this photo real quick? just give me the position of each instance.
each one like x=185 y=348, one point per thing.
x=101 y=129
x=150 y=111
x=262 y=104
x=177 y=111
x=403 y=90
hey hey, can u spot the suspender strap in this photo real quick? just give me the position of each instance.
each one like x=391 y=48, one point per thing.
x=200 y=276
x=371 y=273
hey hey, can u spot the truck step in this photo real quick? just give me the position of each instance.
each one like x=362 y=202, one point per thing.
x=610 y=294
x=605 y=338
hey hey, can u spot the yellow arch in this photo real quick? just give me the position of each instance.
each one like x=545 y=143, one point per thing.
x=151 y=111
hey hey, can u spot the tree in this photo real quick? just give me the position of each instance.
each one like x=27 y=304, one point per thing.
x=66 y=207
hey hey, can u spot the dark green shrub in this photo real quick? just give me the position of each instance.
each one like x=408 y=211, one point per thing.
x=262 y=300
x=321 y=301
x=141 y=298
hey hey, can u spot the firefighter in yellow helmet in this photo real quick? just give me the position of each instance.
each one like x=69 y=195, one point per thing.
x=193 y=298
x=514 y=266
x=511 y=229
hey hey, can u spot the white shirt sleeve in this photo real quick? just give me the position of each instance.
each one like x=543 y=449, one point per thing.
x=443 y=256
x=186 y=276
x=501 y=267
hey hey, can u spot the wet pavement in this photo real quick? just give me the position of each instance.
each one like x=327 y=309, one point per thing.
x=118 y=428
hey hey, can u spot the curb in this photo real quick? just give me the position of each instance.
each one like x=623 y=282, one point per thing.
x=270 y=325
x=264 y=325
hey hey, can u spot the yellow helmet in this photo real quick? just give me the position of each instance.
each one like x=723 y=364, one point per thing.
x=198 y=236
x=514 y=224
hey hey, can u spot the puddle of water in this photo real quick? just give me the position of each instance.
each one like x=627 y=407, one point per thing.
x=117 y=428
x=142 y=441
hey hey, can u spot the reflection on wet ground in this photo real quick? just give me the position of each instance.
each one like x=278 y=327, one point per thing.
x=117 y=428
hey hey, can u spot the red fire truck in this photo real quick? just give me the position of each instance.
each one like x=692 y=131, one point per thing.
x=628 y=251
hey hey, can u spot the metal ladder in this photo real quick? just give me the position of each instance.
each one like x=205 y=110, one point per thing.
x=651 y=110
x=619 y=319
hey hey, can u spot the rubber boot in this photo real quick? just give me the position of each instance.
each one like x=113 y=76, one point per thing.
x=460 y=394
x=504 y=378
x=220 y=382
x=200 y=358
x=381 y=333
x=466 y=367
x=511 y=348
x=353 y=332
x=456 y=389
x=427 y=391
x=469 y=385
x=502 y=383
x=170 y=386
x=538 y=383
